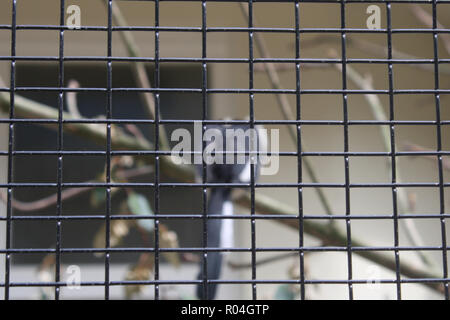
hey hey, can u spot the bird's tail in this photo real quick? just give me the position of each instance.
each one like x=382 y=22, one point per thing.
x=218 y=230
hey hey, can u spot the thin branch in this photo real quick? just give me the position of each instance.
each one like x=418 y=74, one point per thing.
x=44 y=202
x=264 y=205
x=72 y=104
x=246 y=265
x=70 y=193
x=375 y=50
x=134 y=173
x=280 y=67
x=382 y=51
x=334 y=236
x=140 y=74
x=427 y=19
x=380 y=115
x=417 y=148
x=285 y=108
x=135 y=131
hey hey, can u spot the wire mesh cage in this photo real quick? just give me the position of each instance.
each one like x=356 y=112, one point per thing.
x=116 y=176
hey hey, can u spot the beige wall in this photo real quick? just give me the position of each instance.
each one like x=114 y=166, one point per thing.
x=314 y=107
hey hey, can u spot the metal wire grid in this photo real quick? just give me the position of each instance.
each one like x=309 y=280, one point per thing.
x=205 y=91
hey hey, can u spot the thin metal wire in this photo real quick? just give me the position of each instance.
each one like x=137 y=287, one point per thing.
x=425 y=281
x=299 y=154
x=203 y=215
x=227 y=122
x=157 y=145
x=204 y=168
x=228 y=29
x=393 y=158
x=439 y=148
x=60 y=147
x=236 y=90
x=222 y=185
x=217 y=60
x=252 y=125
x=108 y=152
x=207 y=249
x=237 y=215
x=346 y=149
x=10 y=149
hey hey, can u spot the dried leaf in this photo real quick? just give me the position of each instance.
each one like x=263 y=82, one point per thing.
x=138 y=272
x=169 y=239
x=417 y=148
x=294 y=268
x=119 y=229
x=139 y=205
x=46 y=293
x=46 y=273
x=294 y=271
x=412 y=200
x=284 y=292
x=98 y=196
x=126 y=161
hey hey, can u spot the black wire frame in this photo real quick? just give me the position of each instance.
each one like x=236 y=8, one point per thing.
x=297 y=30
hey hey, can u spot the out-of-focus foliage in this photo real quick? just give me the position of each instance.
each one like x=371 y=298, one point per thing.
x=138 y=205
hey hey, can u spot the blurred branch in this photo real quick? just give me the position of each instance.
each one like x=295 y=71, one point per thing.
x=263 y=204
x=280 y=67
x=141 y=271
x=285 y=107
x=140 y=74
x=333 y=235
x=365 y=83
x=44 y=202
x=417 y=148
x=276 y=258
x=135 y=131
x=371 y=48
x=360 y=44
x=46 y=273
x=169 y=239
x=70 y=193
x=72 y=104
x=427 y=19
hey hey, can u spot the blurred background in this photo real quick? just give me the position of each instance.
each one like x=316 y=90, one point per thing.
x=316 y=138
